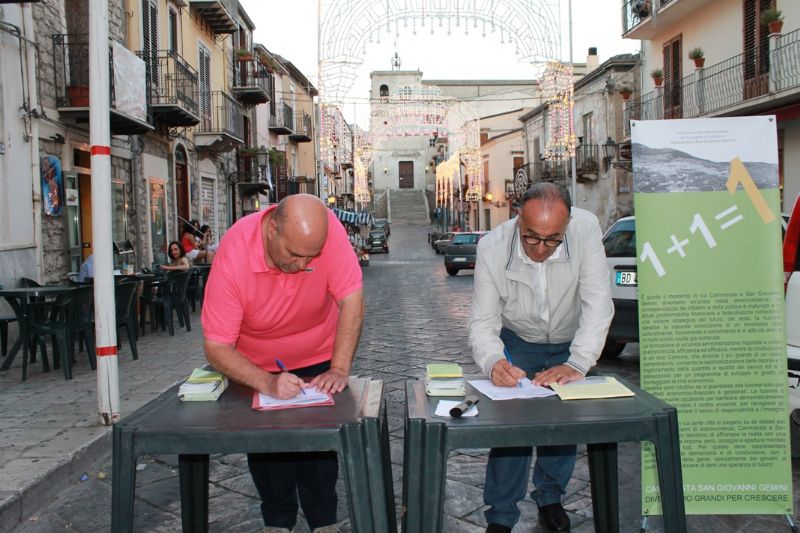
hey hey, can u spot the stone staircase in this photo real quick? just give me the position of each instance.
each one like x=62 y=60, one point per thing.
x=408 y=206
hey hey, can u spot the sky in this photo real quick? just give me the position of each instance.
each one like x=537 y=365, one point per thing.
x=289 y=28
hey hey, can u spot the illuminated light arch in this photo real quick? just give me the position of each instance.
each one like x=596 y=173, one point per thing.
x=348 y=25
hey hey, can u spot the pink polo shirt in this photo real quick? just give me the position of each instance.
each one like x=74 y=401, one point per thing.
x=267 y=313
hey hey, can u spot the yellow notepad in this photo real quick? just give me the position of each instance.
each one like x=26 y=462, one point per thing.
x=592 y=387
x=203 y=386
x=444 y=370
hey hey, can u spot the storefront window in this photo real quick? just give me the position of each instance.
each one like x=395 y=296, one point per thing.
x=158 y=221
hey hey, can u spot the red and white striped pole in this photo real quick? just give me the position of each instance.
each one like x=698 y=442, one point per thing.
x=100 y=140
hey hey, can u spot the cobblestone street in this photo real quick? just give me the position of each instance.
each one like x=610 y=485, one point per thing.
x=416 y=314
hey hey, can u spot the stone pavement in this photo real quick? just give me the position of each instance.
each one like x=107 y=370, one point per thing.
x=416 y=313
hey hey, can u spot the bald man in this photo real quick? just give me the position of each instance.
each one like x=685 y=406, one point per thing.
x=542 y=297
x=285 y=284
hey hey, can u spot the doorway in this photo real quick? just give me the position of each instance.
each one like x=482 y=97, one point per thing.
x=181 y=185
x=406 y=174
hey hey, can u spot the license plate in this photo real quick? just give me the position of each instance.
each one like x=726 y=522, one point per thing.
x=461 y=259
x=626 y=278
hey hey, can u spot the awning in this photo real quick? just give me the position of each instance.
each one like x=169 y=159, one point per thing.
x=363 y=218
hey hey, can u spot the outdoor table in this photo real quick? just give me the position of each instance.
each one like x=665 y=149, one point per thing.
x=20 y=299
x=599 y=423
x=355 y=427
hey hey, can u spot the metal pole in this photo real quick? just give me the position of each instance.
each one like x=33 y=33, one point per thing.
x=100 y=140
x=571 y=66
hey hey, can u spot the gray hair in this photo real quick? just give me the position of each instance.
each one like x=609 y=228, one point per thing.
x=549 y=192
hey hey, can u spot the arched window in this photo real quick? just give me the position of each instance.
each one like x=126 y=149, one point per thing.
x=384 y=91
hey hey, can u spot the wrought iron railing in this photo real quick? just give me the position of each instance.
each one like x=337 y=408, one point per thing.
x=586 y=159
x=220 y=113
x=283 y=118
x=550 y=170
x=170 y=79
x=250 y=73
x=302 y=124
x=722 y=85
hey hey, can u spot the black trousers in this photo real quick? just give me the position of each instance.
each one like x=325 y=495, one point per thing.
x=281 y=477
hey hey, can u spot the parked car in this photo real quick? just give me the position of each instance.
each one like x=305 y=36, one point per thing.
x=461 y=252
x=440 y=244
x=377 y=240
x=620 y=246
x=383 y=224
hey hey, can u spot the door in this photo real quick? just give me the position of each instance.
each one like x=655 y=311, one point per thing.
x=73 y=221
x=756 y=49
x=181 y=185
x=406 y=174
x=85 y=195
x=673 y=66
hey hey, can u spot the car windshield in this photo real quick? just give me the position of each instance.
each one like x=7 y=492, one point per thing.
x=621 y=240
x=379 y=223
x=376 y=234
x=465 y=239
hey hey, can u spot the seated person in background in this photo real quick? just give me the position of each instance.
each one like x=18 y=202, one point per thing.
x=87 y=269
x=177 y=258
x=207 y=242
x=194 y=251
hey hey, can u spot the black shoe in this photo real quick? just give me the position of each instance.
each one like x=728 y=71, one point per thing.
x=497 y=528
x=553 y=517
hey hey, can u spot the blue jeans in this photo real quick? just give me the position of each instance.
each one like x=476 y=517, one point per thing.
x=507 y=471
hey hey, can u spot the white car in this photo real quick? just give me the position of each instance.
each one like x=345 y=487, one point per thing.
x=620 y=245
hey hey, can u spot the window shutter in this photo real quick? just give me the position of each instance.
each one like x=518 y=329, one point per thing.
x=205 y=86
x=672 y=58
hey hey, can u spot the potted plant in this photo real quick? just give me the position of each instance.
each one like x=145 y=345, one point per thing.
x=275 y=157
x=658 y=76
x=773 y=18
x=697 y=55
x=248 y=151
x=243 y=54
x=626 y=92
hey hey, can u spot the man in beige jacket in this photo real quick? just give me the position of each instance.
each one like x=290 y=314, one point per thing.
x=542 y=300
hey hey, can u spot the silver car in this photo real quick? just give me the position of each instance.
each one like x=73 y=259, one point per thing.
x=620 y=245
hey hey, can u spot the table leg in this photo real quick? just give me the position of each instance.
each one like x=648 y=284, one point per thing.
x=354 y=464
x=379 y=470
x=605 y=492
x=670 y=475
x=412 y=476
x=434 y=468
x=193 y=471
x=20 y=310
x=123 y=482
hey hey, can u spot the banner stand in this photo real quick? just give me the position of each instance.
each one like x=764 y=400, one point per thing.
x=789 y=521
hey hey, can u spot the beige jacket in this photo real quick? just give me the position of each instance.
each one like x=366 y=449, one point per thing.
x=578 y=294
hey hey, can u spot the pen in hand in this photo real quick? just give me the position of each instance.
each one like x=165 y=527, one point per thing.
x=283 y=369
x=508 y=358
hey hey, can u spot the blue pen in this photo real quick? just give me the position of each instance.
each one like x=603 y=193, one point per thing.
x=283 y=369
x=508 y=358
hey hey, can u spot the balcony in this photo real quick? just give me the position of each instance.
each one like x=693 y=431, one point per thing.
x=71 y=80
x=221 y=127
x=551 y=170
x=639 y=22
x=302 y=131
x=218 y=14
x=172 y=87
x=587 y=164
x=251 y=82
x=741 y=84
x=282 y=122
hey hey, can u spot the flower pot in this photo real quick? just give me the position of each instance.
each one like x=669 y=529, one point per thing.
x=245 y=57
x=78 y=95
x=776 y=26
x=699 y=62
x=658 y=81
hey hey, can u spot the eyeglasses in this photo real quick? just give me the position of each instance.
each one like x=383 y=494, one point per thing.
x=533 y=241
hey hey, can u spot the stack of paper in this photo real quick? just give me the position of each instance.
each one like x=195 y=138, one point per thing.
x=312 y=397
x=444 y=379
x=592 y=387
x=526 y=389
x=203 y=386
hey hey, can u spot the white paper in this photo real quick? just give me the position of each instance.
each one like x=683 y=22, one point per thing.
x=527 y=390
x=443 y=409
x=312 y=395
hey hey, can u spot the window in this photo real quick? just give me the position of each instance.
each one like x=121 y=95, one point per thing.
x=756 y=48
x=621 y=240
x=672 y=78
x=405 y=93
x=588 y=123
x=173 y=30
x=150 y=39
x=204 y=70
x=384 y=91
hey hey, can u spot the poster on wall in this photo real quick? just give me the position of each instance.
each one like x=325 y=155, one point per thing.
x=711 y=308
x=52 y=186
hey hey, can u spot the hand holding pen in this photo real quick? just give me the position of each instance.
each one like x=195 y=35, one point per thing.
x=287 y=383
x=505 y=374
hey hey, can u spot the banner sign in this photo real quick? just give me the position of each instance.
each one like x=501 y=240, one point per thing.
x=711 y=308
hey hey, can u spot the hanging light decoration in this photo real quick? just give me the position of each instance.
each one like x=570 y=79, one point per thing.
x=559 y=132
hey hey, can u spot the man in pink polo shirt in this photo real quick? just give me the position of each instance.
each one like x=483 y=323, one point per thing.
x=286 y=284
